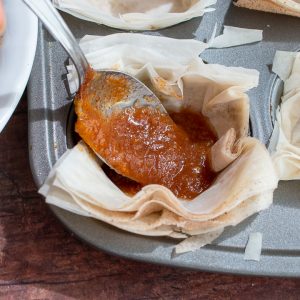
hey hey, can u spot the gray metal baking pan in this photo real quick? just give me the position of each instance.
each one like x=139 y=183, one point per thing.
x=49 y=107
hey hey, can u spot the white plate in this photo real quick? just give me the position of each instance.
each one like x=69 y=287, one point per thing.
x=16 y=56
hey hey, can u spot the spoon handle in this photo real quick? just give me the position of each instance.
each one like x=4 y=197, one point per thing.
x=61 y=32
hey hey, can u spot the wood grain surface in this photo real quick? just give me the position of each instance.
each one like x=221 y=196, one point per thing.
x=39 y=259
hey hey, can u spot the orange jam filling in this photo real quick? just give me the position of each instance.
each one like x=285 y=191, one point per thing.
x=149 y=147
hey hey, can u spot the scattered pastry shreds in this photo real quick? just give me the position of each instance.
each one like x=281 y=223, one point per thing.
x=196 y=242
x=253 y=248
x=235 y=36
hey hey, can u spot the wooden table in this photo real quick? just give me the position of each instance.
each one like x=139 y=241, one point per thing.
x=39 y=259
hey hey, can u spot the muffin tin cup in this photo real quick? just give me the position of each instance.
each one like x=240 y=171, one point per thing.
x=51 y=122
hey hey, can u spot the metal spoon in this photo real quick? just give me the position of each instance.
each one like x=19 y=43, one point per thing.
x=136 y=92
x=61 y=32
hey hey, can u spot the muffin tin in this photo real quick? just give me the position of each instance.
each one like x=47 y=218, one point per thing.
x=50 y=134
